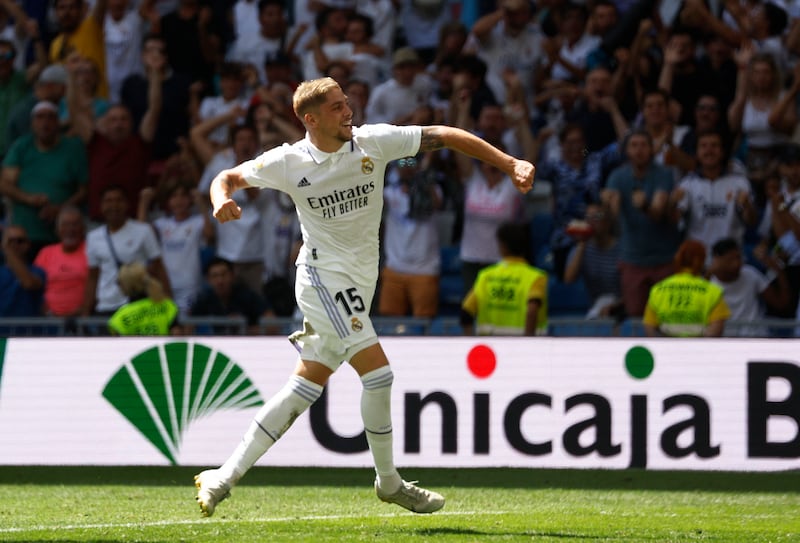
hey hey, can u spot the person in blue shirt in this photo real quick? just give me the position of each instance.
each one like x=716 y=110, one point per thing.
x=21 y=283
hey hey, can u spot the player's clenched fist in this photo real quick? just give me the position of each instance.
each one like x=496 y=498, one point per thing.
x=227 y=211
x=523 y=175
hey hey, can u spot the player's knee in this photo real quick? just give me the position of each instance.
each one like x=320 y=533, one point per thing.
x=382 y=377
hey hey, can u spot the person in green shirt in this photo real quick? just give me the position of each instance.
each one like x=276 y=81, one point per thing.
x=150 y=312
x=509 y=298
x=685 y=304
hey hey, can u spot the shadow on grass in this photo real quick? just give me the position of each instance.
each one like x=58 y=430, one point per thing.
x=786 y=481
x=483 y=535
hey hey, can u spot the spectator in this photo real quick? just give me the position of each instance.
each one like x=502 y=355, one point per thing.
x=51 y=86
x=81 y=31
x=172 y=117
x=124 y=31
x=761 y=110
x=569 y=50
x=410 y=274
x=239 y=242
x=328 y=44
x=21 y=284
x=508 y=298
x=358 y=94
x=421 y=23
x=708 y=118
x=576 y=180
x=271 y=37
x=637 y=195
x=282 y=240
x=13 y=89
x=65 y=265
x=597 y=111
x=82 y=87
x=182 y=233
x=231 y=83
x=41 y=172
x=469 y=83
x=714 y=203
x=227 y=297
x=685 y=304
x=509 y=39
x=190 y=43
x=149 y=312
x=273 y=128
x=666 y=136
x=595 y=260
x=396 y=100
x=746 y=289
x=119 y=241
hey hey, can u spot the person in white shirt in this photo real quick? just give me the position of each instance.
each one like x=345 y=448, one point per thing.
x=397 y=99
x=335 y=176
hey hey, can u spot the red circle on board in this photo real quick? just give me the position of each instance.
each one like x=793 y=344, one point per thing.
x=481 y=361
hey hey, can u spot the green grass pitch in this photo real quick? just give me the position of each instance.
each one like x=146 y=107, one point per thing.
x=154 y=504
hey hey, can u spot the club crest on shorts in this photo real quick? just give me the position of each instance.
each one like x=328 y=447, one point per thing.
x=356 y=324
x=367 y=166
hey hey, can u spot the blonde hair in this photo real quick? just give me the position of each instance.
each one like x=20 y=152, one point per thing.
x=312 y=94
x=135 y=282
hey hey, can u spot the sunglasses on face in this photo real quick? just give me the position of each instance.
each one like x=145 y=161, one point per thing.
x=409 y=162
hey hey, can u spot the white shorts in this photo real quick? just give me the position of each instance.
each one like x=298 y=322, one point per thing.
x=336 y=323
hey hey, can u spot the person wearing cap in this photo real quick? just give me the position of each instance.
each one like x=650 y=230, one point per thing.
x=51 y=86
x=81 y=30
x=42 y=171
x=398 y=98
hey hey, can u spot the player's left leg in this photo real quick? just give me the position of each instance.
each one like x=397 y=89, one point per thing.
x=376 y=379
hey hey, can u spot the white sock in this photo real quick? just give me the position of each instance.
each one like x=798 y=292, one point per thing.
x=376 y=412
x=269 y=424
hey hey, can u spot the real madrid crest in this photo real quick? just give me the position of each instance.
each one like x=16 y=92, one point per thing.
x=356 y=324
x=367 y=165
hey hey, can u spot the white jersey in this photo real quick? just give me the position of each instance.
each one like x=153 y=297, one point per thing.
x=339 y=195
x=134 y=242
x=743 y=297
x=710 y=208
x=180 y=246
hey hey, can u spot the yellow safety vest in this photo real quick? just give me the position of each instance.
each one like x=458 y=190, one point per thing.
x=144 y=318
x=502 y=292
x=683 y=304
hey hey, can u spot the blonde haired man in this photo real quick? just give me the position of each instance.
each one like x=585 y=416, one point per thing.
x=335 y=177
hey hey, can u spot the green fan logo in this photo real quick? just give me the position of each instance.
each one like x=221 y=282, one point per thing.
x=163 y=389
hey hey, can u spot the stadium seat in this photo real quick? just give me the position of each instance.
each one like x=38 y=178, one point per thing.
x=567 y=299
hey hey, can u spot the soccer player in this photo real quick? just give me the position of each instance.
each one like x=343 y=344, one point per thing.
x=335 y=176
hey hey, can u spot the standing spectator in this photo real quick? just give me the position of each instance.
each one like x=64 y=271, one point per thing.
x=328 y=45
x=231 y=83
x=597 y=111
x=149 y=311
x=421 y=23
x=21 y=284
x=746 y=289
x=410 y=274
x=41 y=172
x=226 y=297
x=173 y=115
x=252 y=48
x=81 y=30
x=51 y=86
x=65 y=265
x=508 y=298
x=182 y=233
x=707 y=118
x=282 y=240
x=119 y=241
x=239 y=241
x=569 y=50
x=666 y=136
x=685 y=304
x=509 y=39
x=81 y=90
x=595 y=260
x=761 y=111
x=637 y=195
x=397 y=99
x=191 y=45
x=576 y=180
x=13 y=89
x=714 y=203
x=124 y=31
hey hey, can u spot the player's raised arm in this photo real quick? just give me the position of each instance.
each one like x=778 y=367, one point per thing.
x=222 y=188
x=435 y=137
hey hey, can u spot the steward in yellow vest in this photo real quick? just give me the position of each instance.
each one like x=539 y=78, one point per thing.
x=508 y=298
x=150 y=313
x=685 y=304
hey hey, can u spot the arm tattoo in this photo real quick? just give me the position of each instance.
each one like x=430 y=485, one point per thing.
x=431 y=140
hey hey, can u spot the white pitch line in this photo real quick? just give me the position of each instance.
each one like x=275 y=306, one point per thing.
x=229 y=521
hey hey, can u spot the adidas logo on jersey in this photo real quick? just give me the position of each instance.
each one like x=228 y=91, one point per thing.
x=304 y=183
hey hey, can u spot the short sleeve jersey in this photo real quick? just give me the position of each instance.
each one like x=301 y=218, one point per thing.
x=339 y=195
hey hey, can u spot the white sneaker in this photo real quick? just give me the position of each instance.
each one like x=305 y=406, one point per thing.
x=210 y=491
x=412 y=497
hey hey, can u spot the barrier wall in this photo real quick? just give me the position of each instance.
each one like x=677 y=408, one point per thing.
x=458 y=402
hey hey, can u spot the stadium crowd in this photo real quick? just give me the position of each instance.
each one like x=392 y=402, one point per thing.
x=650 y=123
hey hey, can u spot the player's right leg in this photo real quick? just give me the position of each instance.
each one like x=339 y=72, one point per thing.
x=269 y=424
